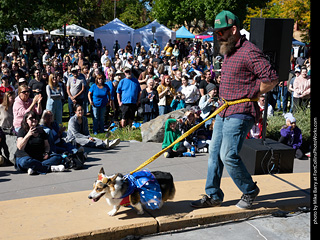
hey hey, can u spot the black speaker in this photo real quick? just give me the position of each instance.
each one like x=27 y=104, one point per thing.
x=274 y=37
x=268 y=157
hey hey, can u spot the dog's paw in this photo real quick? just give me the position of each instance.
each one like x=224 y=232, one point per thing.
x=140 y=212
x=112 y=212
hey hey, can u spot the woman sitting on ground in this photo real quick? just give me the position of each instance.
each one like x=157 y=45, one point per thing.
x=33 y=154
x=78 y=131
x=55 y=134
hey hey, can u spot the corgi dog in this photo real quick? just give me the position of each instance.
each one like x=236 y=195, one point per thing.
x=140 y=189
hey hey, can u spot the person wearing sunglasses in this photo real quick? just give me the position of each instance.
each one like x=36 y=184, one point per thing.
x=23 y=104
x=245 y=73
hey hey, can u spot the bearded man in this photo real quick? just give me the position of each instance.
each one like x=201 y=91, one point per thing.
x=245 y=73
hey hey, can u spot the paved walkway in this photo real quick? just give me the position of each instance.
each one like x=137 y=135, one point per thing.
x=56 y=205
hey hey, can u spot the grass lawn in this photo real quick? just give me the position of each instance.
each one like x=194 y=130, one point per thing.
x=275 y=123
x=124 y=134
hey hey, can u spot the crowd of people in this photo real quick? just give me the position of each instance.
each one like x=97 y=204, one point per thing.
x=39 y=76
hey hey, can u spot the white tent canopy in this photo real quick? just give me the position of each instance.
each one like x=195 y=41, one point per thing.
x=29 y=31
x=145 y=35
x=26 y=31
x=72 y=30
x=112 y=31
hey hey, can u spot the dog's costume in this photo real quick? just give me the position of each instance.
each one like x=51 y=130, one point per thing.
x=148 y=187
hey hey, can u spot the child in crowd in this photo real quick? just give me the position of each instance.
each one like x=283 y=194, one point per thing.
x=171 y=134
x=195 y=140
x=291 y=135
x=178 y=102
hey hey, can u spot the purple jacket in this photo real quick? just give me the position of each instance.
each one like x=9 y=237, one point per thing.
x=294 y=136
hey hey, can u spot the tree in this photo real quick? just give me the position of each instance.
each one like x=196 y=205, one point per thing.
x=19 y=13
x=298 y=10
x=190 y=12
x=135 y=14
x=163 y=11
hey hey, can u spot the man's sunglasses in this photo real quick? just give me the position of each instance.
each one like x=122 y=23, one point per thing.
x=222 y=31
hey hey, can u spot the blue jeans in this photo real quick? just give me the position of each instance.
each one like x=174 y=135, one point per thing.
x=164 y=109
x=55 y=106
x=284 y=98
x=227 y=139
x=98 y=118
x=24 y=163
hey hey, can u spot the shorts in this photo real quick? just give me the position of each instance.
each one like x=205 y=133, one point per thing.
x=128 y=110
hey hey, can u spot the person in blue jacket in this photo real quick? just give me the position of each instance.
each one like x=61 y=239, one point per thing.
x=291 y=135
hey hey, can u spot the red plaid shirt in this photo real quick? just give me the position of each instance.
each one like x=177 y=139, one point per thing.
x=241 y=75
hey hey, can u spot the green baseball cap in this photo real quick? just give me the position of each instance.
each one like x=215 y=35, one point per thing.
x=225 y=19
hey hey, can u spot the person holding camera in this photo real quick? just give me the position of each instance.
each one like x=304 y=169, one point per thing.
x=33 y=149
x=178 y=102
x=166 y=94
x=209 y=102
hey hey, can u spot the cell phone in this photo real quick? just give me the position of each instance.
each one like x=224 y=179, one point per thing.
x=39 y=128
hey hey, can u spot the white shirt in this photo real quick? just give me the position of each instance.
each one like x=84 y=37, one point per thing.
x=191 y=93
x=104 y=59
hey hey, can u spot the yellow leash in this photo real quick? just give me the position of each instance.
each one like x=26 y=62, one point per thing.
x=191 y=130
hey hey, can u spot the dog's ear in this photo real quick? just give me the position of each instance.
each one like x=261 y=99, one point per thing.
x=111 y=180
x=114 y=177
x=101 y=171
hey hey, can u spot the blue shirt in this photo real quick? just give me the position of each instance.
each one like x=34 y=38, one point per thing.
x=112 y=90
x=129 y=90
x=99 y=95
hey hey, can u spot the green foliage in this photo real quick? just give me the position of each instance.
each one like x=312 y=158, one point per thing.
x=135 y=15
x=191 y=12
x=299 y=10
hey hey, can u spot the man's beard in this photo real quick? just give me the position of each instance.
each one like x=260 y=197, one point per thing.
x=228 y=46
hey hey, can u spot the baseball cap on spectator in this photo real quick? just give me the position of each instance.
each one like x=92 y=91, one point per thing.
x=74 y=69
x=297 y=69
x=119 y=72
x=126 y=69
x=218 y=58
x=290 y=117
x=21 y=80
x=210 y=87
x=225 y=19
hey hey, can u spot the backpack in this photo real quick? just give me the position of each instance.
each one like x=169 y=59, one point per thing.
x=74 y=160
